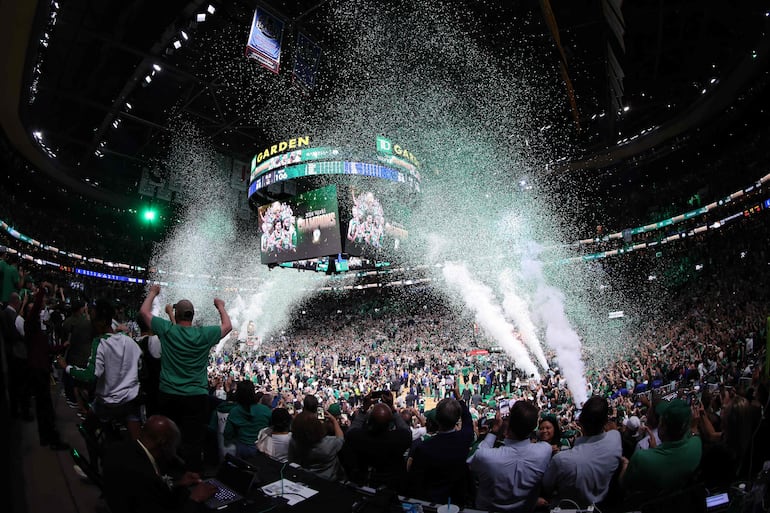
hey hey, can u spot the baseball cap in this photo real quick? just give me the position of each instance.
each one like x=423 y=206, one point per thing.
x=632 y=423
x=335 y=409
x=184 y=310
x=675 y=413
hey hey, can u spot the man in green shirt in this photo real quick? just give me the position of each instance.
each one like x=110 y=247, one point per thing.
x=671 y=465
x=183 y=390
x=12 y=277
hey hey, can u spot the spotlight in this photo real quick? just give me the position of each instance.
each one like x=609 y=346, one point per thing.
x=156 y=67
x=184 y=35
x=129 y=106
x=210 y=9
x=148 y=79
x=177 y=44
x=201 y=17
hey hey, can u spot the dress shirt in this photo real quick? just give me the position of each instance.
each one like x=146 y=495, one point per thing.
x=509 y=476
x=583 y=473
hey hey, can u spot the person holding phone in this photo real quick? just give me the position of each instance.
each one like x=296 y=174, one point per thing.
x=438 y=471
x=510 y=476
x=311 y=445
x=583 y=474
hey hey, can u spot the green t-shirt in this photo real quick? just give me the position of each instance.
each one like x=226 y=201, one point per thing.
x=245 y=426
x=666 y=468
x=10 y=274
x=184 y=356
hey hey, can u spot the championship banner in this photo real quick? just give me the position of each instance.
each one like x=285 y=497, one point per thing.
x=265 y=40
x=306 y=62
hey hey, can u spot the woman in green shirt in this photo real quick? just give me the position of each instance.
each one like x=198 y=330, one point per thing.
x=246 y=420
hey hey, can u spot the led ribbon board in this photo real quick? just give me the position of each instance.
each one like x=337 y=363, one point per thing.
x=333 y=168
x=290 y=158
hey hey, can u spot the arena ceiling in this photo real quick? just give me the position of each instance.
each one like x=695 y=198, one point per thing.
x=78 y=89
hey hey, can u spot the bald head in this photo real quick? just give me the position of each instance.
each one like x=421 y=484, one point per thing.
x=184 y=311
x=14 y=301
x=380 y=417
x=160 y=435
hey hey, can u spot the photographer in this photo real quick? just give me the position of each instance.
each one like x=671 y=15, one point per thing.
x=378 y=438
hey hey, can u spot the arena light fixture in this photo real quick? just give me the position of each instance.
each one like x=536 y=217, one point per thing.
x=210 y=9
x=157 y=67
x=177 y=44
x=184 y=36
x=129 y=106
x=200 y=17
x=149 y=214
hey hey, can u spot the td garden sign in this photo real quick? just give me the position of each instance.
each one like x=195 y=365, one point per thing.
x=387 y=147
x=275 y=149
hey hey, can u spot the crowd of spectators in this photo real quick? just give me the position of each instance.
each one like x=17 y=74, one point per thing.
x=416 y=399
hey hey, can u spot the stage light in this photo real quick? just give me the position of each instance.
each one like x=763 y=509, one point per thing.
x=129 y=106
x=201 y=17
x=148 y=79
x=184 y=36
x=177 y=44
x=156 y=67
x=149 y=215
x=210 y=9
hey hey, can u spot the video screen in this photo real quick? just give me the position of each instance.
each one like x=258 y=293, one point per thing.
x=372 y=229
x=304 y=227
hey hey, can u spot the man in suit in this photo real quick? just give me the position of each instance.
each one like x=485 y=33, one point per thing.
x=134 y=473
x=438 y=470
x=377 y=440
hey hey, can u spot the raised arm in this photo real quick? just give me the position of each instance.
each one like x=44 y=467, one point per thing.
x=146 y=309
x=227 y=326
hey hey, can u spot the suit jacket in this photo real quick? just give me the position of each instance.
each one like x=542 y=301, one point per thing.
x=439 y=470
x=131 y=484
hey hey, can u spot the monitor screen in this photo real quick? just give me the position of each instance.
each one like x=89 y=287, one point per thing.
x=306 y=226
x=373 y=224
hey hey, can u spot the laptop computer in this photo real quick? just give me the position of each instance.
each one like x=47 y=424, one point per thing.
x=234 y=480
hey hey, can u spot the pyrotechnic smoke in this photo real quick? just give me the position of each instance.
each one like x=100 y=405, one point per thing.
x=479 y=298
x=411 y=70
x=206 y=256
x=559 y=333
x=518 y=311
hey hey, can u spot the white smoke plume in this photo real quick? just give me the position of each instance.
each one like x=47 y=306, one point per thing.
x=518 y=311
x=479 y=298
x=559 y=334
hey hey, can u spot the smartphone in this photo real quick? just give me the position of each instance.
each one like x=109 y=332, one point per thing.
x=321 y=415
x=717 y=500
x=290 y=408
x=491 y=415
x=505 y=408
